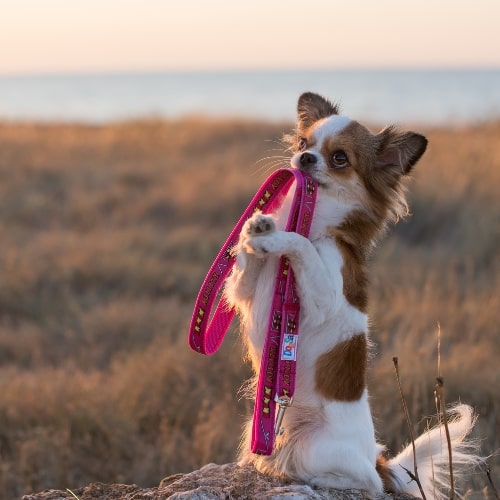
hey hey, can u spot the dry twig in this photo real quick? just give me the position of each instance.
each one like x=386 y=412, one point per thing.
x=493 y=487
x=440 y=397
x=413 y=476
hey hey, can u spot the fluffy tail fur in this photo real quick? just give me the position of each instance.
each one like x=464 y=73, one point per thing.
x=431 y=450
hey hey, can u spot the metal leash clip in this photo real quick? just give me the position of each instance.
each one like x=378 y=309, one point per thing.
x=284 y=402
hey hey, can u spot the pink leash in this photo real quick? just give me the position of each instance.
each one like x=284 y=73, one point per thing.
x=278 y=366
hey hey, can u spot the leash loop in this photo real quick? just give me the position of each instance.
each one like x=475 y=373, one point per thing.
x=205 y=334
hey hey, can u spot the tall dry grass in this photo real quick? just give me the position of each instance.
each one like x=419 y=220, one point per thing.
x=106 y=233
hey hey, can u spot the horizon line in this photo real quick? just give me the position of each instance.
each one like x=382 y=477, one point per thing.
x=228 y=70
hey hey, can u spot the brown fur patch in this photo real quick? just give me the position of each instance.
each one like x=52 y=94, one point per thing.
x=354 y=277
x=359 y=144
x=373 y=188
x=354 y=239
x=379 y=161
x=340 y=372
x=385 y=474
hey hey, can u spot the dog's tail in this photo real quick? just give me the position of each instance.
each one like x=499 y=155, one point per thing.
x=432 y=458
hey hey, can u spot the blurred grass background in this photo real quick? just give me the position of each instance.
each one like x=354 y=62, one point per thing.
x=106 y=234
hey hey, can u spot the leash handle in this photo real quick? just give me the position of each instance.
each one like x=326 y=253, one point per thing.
x=205 y=334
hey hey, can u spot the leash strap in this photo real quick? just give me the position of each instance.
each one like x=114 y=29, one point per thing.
x=276 y=383
x=277 y=371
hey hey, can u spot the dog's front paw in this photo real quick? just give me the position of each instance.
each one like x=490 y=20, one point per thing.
x=261 y=237
x=259 y=225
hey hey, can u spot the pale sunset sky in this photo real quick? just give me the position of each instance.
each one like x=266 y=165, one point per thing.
x=64 y=36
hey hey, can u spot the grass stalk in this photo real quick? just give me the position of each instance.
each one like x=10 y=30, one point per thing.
x=492 y=484
x=413 y=475
x=442 y=406
x=72 y=494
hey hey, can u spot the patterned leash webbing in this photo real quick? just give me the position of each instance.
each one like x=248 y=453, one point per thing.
x=277 y=373
x=276 y=382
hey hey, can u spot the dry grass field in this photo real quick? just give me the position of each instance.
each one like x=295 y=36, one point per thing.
x=106 y=234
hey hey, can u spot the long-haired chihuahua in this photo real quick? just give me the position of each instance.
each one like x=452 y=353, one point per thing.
x=329 y=438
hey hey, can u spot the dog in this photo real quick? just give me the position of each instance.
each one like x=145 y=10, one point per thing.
x=329 y=439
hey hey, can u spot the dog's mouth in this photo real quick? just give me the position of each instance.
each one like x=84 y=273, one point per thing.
x=309 y=165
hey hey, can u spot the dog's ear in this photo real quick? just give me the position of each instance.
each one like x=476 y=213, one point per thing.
x=398 y=152
x=313 y=107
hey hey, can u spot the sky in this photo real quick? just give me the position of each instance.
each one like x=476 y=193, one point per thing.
x=67 y=36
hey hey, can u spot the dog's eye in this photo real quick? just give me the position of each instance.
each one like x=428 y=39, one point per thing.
x=302 y=144
x=339 y=159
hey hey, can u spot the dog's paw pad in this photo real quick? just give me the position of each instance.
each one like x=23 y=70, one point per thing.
x=263 y=227
x=260 y=225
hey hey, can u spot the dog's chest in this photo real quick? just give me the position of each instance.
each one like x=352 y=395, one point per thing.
x=340 y=316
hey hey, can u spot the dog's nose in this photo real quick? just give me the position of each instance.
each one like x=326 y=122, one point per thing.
x=307 y=159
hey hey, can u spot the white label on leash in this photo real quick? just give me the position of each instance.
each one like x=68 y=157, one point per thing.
x=289 y=347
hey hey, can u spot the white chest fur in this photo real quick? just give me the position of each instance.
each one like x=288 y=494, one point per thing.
x=326 y=317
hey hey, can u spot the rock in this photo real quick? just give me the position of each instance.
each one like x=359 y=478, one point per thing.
x=211 y=482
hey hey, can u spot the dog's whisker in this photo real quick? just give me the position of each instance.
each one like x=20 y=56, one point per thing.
x=279 y=142
x=272 y=157
x=272 y=165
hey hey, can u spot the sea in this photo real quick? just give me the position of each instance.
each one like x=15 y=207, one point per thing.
x=432 y=97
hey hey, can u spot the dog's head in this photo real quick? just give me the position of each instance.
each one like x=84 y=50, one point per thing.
x=360 y=170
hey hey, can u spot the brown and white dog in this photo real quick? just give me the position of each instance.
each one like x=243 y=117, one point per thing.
x=329 y=438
